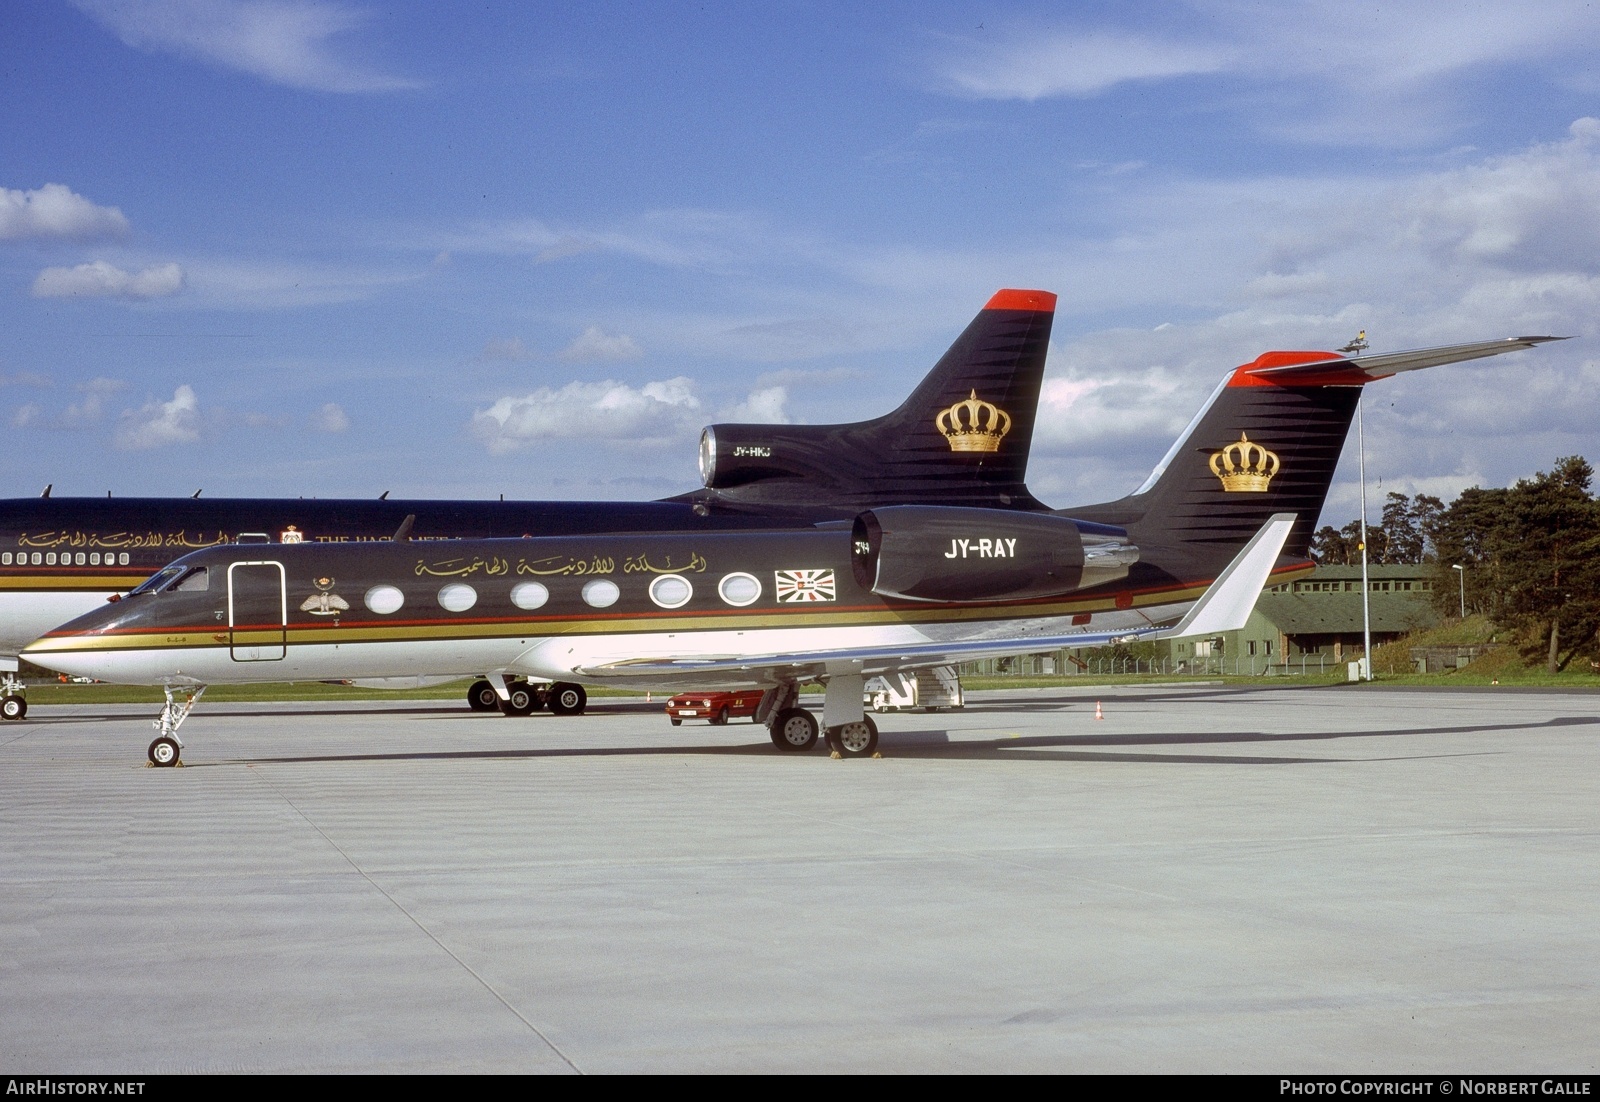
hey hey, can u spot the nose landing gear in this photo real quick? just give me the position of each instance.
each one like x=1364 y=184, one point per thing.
x=165 y=750
x=13 y=701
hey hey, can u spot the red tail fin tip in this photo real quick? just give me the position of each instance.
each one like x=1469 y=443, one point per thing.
x=1042 y=302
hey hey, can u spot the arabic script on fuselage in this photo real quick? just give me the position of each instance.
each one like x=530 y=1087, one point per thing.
x=463 y=567
x=641 y=564
x=180 y=538
x=567 y=565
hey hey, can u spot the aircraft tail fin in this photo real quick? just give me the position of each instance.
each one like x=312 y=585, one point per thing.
x=961 y=438
x=1266 y=442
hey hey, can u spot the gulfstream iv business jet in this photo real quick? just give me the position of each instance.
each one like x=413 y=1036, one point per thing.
x=819 y=554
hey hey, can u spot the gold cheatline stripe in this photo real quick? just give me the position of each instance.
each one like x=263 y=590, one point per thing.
x=445 y=631
x=71 y=581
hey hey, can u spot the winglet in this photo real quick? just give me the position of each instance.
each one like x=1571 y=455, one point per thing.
x=1227 y=603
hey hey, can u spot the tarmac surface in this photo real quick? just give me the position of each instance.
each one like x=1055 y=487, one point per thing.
x=1284 y=881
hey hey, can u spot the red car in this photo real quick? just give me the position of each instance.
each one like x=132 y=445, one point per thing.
x=715 y=706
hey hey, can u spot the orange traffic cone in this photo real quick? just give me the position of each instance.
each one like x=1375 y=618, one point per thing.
x=1098 y=714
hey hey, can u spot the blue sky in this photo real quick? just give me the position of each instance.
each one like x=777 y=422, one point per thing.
x=335 y=249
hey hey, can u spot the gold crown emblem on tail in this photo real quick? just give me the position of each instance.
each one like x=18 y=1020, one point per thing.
x=1245 y=466
x=972 y=425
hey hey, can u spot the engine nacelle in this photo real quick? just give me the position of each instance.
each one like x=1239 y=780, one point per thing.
x=733 y=455
x=961 y=555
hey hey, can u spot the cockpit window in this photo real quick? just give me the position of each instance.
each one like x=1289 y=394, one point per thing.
x=158 y=581
x=193 y=582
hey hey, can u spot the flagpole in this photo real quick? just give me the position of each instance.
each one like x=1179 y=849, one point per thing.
x=1366 y=588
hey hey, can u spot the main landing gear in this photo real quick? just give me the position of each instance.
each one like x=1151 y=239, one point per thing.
x=795 y=729
x=482 y=697
x=854 y=740
x=164 y=751
x=521 y=698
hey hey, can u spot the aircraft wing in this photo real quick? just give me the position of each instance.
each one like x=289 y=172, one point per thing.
x=1224 y=606
x=1391 y=363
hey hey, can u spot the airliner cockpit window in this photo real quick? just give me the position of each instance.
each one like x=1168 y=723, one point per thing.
x=193 y=582
x=158 y=581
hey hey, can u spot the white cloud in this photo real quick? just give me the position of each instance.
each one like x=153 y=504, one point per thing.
x=1535 y=209
x=290 y=42
x=330 y=418
x=594 y=345
x=701 y=240
x=88 y=412
x=1384 y=71
x=607 y=410
x=1502 y=247
x=56 y=211
x=1031 y=67
x=763 y=406
x=102 y=280
x=271 y=285
x=158 y=424
x=26 y=415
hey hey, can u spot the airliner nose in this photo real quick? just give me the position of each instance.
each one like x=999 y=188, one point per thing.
x=76 y=647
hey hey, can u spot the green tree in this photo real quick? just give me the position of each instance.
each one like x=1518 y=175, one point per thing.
x=1549 y=552
x=1405 y=527
x=1472 y=531
x=1329 y=548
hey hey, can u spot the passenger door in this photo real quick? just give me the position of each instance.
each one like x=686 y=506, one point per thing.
x=258 y=610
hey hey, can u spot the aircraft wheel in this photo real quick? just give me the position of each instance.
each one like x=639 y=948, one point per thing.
x=13 y=707
x=164 y=752
x=521 y=700
x=482 y=697
x=854 y=740
x=567 y=699
x=794 y=729
x=721 y=718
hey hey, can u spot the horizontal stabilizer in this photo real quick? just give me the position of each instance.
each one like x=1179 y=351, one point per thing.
x=1362 y=368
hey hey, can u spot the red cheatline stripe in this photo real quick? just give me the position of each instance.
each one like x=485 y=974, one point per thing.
x=530 y=625
x=1040 y=301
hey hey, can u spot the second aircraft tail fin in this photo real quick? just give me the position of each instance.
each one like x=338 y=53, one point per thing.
x=961 y=438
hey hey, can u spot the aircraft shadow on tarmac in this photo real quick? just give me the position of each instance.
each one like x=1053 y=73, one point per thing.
x=933 y=744
x=938 y=745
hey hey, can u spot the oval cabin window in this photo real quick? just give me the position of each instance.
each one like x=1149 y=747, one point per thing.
x=457 y=597
x=601 y=593
x=739 y=589
x=384 y=599
x=529 y=595
x=671 y=591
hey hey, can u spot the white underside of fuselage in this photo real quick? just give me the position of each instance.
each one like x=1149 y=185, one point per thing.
x=601 y=658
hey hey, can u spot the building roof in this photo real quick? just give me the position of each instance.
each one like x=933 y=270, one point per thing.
x=1384 y=571
x=1340 y=613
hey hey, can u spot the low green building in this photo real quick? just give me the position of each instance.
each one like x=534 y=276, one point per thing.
x=1318 y=620
x=1298 y=627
